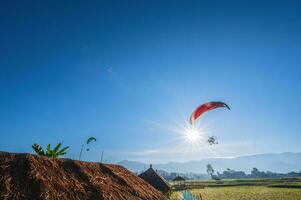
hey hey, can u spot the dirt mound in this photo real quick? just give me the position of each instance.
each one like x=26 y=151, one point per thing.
x=26 y=176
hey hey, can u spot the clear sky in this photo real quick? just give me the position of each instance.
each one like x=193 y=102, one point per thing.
x=129 y=72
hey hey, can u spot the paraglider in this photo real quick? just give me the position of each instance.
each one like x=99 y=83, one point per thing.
x=199 y=111
x=205 y=108
x=212 y=140
x=89 y=140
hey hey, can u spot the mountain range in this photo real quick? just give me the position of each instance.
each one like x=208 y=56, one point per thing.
x=275 y=162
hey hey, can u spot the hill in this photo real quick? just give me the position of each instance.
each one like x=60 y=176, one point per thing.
x=276 y=162
x=25 y=176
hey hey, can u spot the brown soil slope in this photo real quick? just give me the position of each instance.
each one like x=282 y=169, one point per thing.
x=25 y=176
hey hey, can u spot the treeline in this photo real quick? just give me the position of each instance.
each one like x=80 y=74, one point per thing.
x=228 y=174
x=188 y=176
x=255 y=173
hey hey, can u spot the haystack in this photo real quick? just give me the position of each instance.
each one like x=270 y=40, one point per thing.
x=30 y=177
x=154 y=179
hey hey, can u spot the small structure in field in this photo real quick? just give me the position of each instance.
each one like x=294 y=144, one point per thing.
x=179 y=181
x=179 y=178
x=154 y=179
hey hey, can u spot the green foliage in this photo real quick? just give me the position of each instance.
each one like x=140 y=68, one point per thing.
x=38 y=149
x=54 y=153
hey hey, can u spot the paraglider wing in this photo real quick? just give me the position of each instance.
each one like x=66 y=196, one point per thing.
x=90 y=139
x=205 y=108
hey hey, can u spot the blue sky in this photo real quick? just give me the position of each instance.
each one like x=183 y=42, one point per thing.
x=129 y=72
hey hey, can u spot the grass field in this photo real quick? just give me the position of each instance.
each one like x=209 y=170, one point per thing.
x=241 y=189
x=276 y=182
x=243 y=193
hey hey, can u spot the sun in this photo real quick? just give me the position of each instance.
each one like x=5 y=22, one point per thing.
x=192 y=135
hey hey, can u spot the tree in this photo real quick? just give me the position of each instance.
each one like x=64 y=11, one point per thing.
x=54 y=153
x=255 y=172
x=210 y=170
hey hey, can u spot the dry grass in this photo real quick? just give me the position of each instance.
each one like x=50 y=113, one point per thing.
x=25 y=176
x=245 y=193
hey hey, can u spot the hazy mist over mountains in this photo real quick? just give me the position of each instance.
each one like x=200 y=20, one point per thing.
x=275 y=162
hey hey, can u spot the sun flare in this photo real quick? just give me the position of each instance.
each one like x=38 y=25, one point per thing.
x=192 y=135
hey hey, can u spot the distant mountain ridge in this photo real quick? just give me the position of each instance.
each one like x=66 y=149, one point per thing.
x=275 y=162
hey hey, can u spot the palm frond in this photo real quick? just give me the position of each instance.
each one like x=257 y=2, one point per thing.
x=63 y=151
x=57 y=147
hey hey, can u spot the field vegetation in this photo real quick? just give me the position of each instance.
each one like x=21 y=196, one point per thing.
x=240 y=189
x=243 y=193
x=274 y=182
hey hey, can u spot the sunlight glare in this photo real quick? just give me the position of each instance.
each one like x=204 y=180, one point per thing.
x=192 y=135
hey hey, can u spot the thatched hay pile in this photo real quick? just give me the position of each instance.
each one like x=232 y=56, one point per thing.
x=25 y=176
x=158 y=182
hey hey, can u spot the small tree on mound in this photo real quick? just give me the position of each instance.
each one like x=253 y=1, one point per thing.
x=54 y=153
